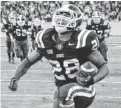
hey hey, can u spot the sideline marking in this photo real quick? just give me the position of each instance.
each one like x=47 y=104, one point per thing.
x=31 y=70
x=47 y=81
x=29 y=95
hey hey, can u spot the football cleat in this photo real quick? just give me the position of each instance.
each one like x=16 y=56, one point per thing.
x=13 y=84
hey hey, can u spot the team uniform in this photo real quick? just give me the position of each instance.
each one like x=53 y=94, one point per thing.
x=35 y=30
x=9 y=43
x=66 y=59
x=67 y=49
x=100 y=30
x=21 y=42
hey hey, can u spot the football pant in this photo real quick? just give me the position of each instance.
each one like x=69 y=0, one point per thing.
x=73 y=95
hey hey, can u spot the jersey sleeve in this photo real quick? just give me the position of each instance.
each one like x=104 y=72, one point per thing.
x=87 y=39
x=39 y=40
x=92 y=41
x=40 y=45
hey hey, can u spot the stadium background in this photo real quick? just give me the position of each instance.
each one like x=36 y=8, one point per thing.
x=36 y=88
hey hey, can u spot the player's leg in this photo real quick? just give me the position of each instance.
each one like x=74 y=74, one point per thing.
x=25 y=48
x=75 y=96
x=59 y=101
x=13 y=53
x=85 y=101
x=8 y=45
x=17 y=47
x=56 y=100
x=104 y=49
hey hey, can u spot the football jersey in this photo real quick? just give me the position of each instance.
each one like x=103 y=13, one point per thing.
x=8 y=26
x=66 y=58
x=35 y=30
x=20 y=34
x=98 y=28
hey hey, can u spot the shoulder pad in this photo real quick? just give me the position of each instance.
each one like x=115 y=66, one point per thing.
x=43 y=37
x=87 y=38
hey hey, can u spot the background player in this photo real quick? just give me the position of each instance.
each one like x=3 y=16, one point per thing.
x=36 y=27
x=20 y=35
x=102 y=28
x=8 y=24
x=67 y=49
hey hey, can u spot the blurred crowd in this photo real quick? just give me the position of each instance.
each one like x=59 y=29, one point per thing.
x=45 y=9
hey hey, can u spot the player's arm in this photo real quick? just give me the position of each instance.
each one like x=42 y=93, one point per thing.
x=25 y=65
x=97 y=59
x=23 y=68
x=107 y=30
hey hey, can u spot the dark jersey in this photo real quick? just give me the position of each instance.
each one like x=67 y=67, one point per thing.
x=67 y=57
x=8 y=26
x=20 y=33
x=35 y=30
x=98 y=28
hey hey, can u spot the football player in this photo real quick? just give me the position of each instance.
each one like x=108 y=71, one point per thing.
x=8 y=24
x=102 y=28
x=67 y=48
x=37 y=26
x=20 y=35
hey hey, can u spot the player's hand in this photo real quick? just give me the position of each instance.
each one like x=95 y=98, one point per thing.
x=88 y=82
x=84 y=81
x=13 y=84
x=106 y=35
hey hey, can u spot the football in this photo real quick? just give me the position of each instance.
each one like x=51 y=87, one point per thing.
x=87 y=69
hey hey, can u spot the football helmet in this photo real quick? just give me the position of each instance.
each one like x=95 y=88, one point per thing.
x=37 y=21
x=96 y=17
x=67 y=18
x=21 y=20
x=12 y=18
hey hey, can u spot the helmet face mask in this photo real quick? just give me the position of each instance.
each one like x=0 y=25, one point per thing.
x=66 y=19
x=21 y=20
x=96 y=17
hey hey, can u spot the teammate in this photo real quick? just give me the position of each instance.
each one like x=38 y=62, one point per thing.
x=20 y=35
x=8 y=24
x=102 y=28
x=67 y=48
x=37 y=26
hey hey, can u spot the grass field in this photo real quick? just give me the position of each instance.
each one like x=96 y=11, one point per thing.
x=37 y=87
